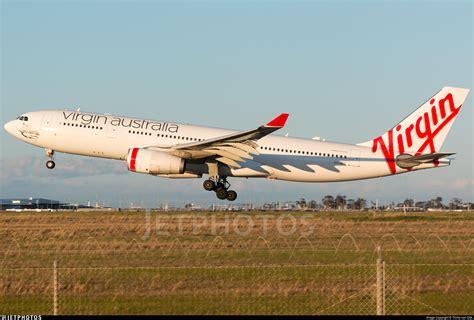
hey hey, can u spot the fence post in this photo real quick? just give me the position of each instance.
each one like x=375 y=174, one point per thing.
x=55 y=288
x=383 y=286
x=380 y=283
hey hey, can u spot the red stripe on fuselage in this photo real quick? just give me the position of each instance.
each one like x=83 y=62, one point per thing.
x=133 y=159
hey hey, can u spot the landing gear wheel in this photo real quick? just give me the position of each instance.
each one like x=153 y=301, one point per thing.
x=50 y=164
x=222 y=193
x=209 y=185
x=231 y=195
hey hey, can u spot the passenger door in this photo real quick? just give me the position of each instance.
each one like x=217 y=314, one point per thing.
x=112 y=131
x=355 y=158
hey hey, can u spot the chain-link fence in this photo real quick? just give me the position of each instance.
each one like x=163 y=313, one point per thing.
x=273 y=289
x=232 y=263
x=429 y=289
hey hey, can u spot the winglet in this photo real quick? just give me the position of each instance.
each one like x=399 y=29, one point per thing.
x=279 y=121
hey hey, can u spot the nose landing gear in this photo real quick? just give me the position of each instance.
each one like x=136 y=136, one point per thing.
x=220 y=186
x=50 y=164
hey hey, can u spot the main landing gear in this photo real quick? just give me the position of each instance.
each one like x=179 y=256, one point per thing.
x=50 y=164
x=221 y=187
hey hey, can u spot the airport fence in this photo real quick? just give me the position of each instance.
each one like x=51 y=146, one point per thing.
x=377 y=288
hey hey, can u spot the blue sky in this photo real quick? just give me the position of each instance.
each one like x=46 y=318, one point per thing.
x=345 y=71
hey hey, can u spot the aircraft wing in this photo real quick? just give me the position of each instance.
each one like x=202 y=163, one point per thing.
x=229 y=149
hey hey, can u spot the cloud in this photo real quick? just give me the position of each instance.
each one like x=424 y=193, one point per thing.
x=462 y=183
x=67 y=167
x=89 y=179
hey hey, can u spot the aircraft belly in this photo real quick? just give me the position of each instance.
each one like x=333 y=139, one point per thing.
x=94 y=146
x=252 y=168
x=328 y=171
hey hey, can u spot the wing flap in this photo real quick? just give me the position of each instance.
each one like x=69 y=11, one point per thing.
x=224 y=153
x=235 y=151
x=231 y=163
x=244 y=147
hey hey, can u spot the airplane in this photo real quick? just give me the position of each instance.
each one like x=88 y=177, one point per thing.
x=177 y=151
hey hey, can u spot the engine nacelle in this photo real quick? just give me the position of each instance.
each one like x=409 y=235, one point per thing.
x=154 y=162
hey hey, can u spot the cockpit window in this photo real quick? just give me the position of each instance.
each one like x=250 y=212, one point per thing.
x=23 y=118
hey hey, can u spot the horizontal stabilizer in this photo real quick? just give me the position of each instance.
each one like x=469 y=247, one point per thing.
x=407 y=161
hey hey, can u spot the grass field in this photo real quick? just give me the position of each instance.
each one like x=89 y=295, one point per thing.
x=236 y=263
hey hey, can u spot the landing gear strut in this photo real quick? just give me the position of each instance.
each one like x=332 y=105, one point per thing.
x=220 y=186
x=50 y=164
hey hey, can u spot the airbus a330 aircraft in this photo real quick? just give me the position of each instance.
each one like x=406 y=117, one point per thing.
x=173 y=150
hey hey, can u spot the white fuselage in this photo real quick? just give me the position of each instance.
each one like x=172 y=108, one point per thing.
x=282 y=158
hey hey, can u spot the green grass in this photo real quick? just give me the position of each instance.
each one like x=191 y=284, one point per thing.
x=108 y=266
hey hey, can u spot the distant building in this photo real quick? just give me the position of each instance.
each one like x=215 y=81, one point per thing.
x=34 y=203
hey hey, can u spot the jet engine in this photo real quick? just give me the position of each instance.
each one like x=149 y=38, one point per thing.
x=154 y=162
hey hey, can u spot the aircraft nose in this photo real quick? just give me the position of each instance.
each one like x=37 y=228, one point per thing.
x=9 y=127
